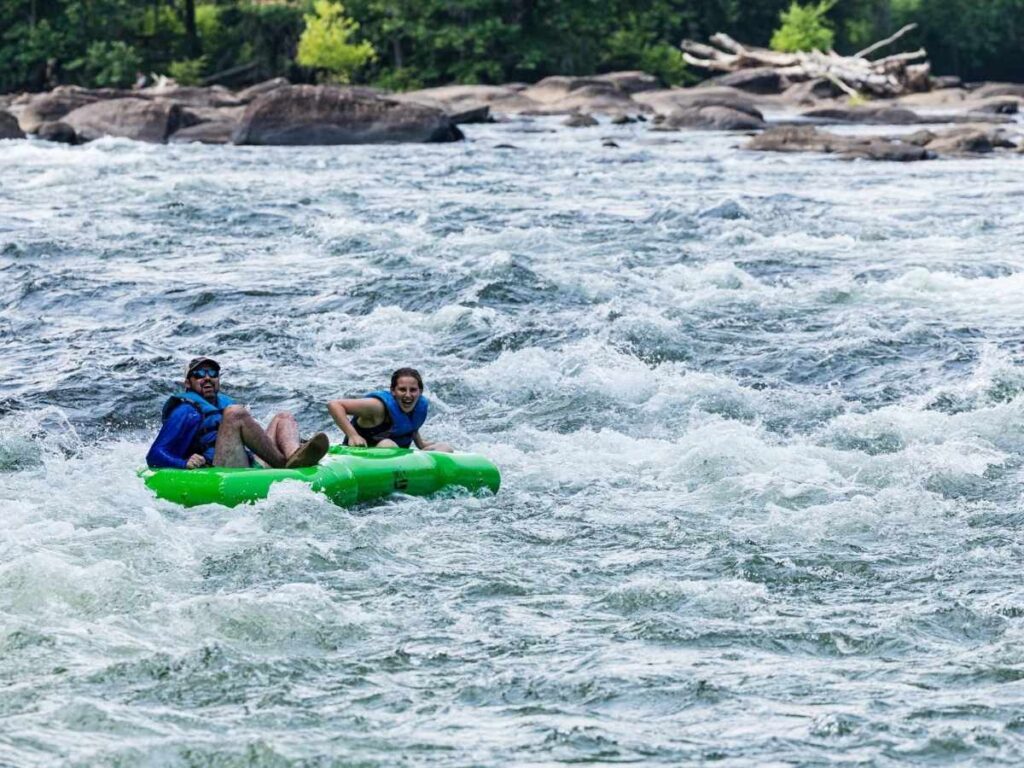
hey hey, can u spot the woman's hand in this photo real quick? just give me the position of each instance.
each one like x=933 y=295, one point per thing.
x=357 y=441
x=195 y=461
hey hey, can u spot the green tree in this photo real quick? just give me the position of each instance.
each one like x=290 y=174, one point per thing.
x=325 y=45
x=109 y=64
x=804 y=28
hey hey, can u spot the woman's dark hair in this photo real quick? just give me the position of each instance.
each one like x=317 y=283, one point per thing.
x=406 y=372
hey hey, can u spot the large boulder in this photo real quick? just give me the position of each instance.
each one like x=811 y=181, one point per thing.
x=463 y=103
x=560 y=94
x=139 y=119
x=668 y=100
x=9 y=128
x=711 y=117
x=866 y=115
x=766 y=80
x=970 y=140
x=317 y=114
x=632 y=81
x=53 y=106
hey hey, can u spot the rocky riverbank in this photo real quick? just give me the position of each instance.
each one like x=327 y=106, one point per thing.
x=960 y=120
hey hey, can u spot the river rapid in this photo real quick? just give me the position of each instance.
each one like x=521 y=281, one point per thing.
x=760 y=420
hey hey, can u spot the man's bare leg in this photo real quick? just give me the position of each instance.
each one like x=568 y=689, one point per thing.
x=238 y=431
x=283 y=430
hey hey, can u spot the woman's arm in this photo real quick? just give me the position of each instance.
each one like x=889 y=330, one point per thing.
x=426 y=445
x=369 y=410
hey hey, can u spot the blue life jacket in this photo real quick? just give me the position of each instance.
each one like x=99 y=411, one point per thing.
x=205 y=440
x=399 y=425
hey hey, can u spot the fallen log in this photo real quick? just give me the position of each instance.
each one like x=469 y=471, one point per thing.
x=892 y=75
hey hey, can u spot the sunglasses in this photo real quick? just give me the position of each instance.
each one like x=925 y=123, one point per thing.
x=204 y=373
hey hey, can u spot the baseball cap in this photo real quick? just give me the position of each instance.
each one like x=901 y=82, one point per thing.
x=195 y=362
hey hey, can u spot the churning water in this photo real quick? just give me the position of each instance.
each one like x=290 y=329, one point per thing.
x=760 y=420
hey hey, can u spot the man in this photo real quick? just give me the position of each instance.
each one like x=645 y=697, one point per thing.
x=204 y=428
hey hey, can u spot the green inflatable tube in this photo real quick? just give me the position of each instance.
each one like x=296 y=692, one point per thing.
x=346 y=476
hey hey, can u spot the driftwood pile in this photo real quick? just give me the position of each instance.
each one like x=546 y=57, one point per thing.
x=893 y=75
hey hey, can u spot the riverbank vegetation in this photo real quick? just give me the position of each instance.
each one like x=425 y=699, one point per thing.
x=402 y=44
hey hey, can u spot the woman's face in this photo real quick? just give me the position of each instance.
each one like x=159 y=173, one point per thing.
x=406 y=391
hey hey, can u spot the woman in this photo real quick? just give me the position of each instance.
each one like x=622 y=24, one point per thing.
x=387 y=419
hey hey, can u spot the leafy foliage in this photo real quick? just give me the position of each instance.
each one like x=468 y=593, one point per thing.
x=427 y=42
x=804 y=28
x=188 y=71
x=109 y=64
x=325 y=45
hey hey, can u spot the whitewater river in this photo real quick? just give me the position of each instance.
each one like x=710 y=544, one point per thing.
x=760 y=420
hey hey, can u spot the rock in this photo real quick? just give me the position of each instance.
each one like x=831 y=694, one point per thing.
x=309 y=114
x=922 y=145
x=248 y=94
x=623 y=120
x=505 y=146
x=610 y=144
x=919 y=138
x=811 y=91
x=209 y=132
x=884 y=149
x=138 y=119
x=188 y=96
x=559 y=94
x=711 y=117
x=196 y=115
x=57 y=131
x=579 y=120
x=633 y=81
x=455 y=99
x=472 y=115
x=667 y=101
x=9 y=128
x=994 y=90
x=753 y=80
x=53 y=106
x=996 y=106
x=460 y=113
x=969 y=140
x=867 y=115
x=798 y=138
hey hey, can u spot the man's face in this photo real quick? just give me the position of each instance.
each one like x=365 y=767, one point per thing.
x=204 y=380
x=406 y=391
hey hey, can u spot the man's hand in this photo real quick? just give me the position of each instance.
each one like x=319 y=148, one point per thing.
x=195 y=461
x=357 y=441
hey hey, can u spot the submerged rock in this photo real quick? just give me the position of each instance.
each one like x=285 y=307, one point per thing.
x=580 y=120
x=139 y=119
x=308 y=114
x=805 y=138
